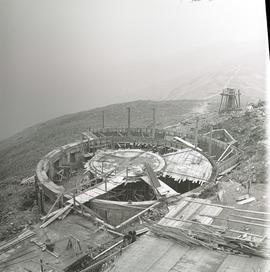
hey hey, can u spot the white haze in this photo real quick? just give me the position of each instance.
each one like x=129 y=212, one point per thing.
x=58 y=57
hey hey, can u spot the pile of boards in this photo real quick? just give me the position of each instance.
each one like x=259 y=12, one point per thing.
x=14 y=241
x=216 y=239
x=60 y=213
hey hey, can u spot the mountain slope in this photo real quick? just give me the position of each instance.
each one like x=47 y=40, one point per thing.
x=20 y=153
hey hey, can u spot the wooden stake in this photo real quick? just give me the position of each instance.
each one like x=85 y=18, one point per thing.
x=41 y=265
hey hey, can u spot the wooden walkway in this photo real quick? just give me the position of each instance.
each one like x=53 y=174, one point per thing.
x=98 y=190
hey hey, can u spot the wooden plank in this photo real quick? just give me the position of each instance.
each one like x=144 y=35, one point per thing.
x=228 y=147
x=11 y=243
x=52 y=207
x=152 y=176
x=242 y=197
x=107 y=250
x=250 y=218
x=245 y=201
x=137 y=215
x=205 y=215
x=173 y=212
x=186 y=214
x=96 y=219
x=248 y=223
x=227 y=207
x=60 y=212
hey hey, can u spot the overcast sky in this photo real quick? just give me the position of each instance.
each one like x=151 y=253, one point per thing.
x=62 y=56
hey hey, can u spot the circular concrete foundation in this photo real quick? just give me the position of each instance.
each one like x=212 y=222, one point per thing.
x=176 y=169
x=122 y=160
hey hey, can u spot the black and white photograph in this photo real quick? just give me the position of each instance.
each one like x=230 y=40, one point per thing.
x=134 y=136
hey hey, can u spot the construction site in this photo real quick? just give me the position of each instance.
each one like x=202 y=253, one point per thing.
x=145 y=199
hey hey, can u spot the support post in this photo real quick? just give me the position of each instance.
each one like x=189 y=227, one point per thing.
x=128 y=109
x=103 y=119
x=210 y=141
x=154 y=123
x=196 y=132
x=41 y=266
x=41 y=195
x=106 y=185
x=239 y=104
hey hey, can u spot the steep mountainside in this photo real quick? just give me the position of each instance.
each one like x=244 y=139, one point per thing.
x=19 y=154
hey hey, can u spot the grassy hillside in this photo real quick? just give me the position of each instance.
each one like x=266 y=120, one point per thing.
x=20 y=154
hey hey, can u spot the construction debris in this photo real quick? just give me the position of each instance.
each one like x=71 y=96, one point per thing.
x=247 y=200
x=48 y=246
x=56 y=215
x=213 y=239
x=15 y=241
x=28 y=181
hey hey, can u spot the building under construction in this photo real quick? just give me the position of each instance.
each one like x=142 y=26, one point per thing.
x=122 y=183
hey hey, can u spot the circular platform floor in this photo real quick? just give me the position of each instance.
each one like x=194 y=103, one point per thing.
x=134 y=159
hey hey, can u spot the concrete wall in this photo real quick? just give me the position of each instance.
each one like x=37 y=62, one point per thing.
x=48 y=166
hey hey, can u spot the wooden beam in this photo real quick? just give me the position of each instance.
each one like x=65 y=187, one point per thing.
x=96 y=219
x=60 y=212
x=108 y=249
x=226 y=155
x=93 y=213
x=52 y=207
x=243 y=222
x=226 y=207
x=228 y=147
x=137 y=215
x=250 y=218
x=221 y=228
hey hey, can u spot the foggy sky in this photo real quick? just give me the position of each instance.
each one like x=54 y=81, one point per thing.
x=58 y=57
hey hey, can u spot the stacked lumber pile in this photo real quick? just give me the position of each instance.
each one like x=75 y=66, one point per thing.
x=14 y=241
x=216 y=239
x=60 y=213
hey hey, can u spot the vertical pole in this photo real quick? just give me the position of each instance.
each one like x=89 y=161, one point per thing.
x=196 y=132
x=239 y=99
x=41 y=201
x=41 y=266
x=61 y=201
x=210 y=141
x=103 y=119
x=36 y=189
x=128 y=109
x=154 y=123
x=106 y=185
